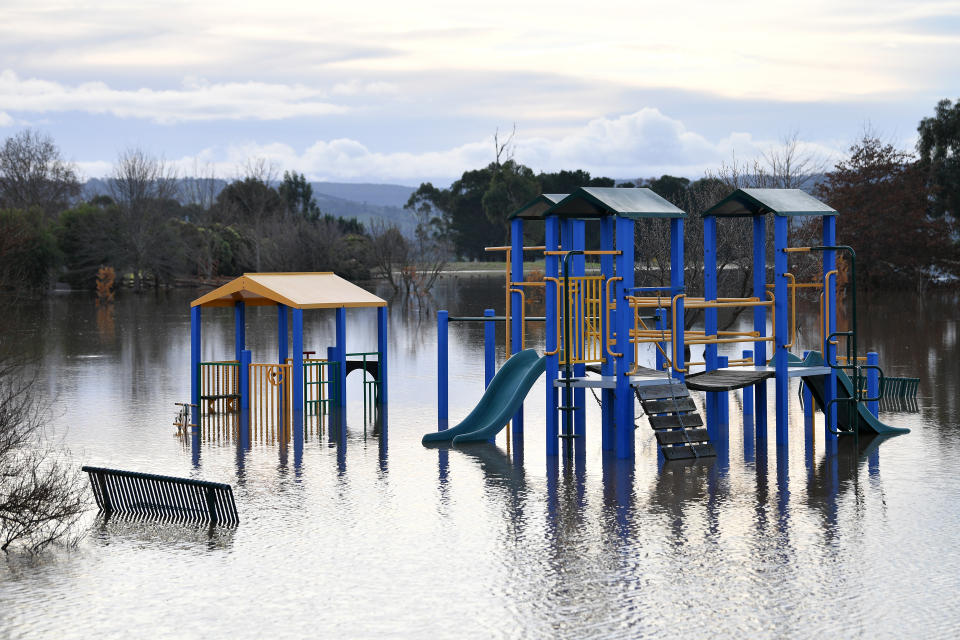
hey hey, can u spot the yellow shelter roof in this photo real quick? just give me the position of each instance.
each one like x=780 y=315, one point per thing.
x=325 y=290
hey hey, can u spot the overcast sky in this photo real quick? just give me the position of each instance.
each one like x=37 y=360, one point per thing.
x=410 y=91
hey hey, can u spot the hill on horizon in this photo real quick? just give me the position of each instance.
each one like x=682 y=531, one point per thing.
x=367 y=202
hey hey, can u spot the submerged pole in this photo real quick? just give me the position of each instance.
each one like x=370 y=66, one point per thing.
x=442 y=375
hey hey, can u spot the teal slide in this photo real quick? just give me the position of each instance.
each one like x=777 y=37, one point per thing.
x=500 y=401
x=866 y=422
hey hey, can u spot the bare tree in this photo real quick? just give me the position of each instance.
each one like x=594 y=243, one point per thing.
x=251 y=200
x=143 y=186
x=41 y=492
x=34 y=174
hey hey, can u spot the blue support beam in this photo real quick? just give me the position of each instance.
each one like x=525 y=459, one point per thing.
x=829 y=350
x=748 y=390
x=607 y=365
x=781 y=332
x=873 y=383
x=239 y=329
x=244 y=381
x=383 y=316
x=579 y=269
x=341 y=344
x=677 y=286
x=624 y=410
x=551 y=263
x=283 y=346
x=195 y=318
x=710 y=315
x=297 y=391
x=808 y=422
x=567 y=244
x=443 y=378
x=760 y=324
x=517 y=310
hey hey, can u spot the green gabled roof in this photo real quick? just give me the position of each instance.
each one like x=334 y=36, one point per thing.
x=598 y=202
x=782 y=202
x=533 y=210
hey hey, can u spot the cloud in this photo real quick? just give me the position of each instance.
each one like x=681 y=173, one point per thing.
x=644 y=143
x=196 y=100
x=5 y=119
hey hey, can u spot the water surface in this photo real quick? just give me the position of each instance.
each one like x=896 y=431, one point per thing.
x=374 y=537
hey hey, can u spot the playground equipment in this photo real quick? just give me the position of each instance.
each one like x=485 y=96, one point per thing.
x=272 y=400
x=503 y=396
x=599 y=323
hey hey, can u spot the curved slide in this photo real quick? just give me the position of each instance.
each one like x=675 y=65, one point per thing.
x=866 y=421
x=500 y=401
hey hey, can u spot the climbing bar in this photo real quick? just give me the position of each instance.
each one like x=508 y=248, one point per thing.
x=585 y=253
x=147 y=494
x=797 y=249
x=508 y=249
x=494 y=318
x=610 y=307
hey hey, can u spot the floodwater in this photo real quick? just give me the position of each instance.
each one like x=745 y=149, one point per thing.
x=373 y=537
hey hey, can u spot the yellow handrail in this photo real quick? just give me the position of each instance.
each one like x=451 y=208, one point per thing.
x=556 y=345
x=612 y=354
x=523 y=317
x=673 y=318
x=824 y=309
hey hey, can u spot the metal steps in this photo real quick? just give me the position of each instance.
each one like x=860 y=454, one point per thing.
x=675 y=421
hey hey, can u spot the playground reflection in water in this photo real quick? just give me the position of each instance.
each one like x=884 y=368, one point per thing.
x=359 y=535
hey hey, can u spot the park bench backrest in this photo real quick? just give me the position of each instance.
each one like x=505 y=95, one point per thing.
x=147 y=494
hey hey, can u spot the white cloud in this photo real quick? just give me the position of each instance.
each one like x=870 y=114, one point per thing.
x=5 y=119
x=644 y=143
x=195 y=100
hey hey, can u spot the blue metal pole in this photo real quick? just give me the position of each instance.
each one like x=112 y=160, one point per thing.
x=760 y=323
x=606 y=364
x=830 y=350
x=297 y=391
x=382 y=317
x=710 y=315
x=342 y=359
x=873 y=383
x=579 y=268
x=677 y=286
x=567 y=244
x=551 y=263
x=283 y=347
x=722 y=430
x=808 y=421
x=489 y=347
x=624 y=412
x=239 y=328
x=244 y=380
x=443 y=380
x=517 y=310
x=748 y=390
x=781 y=331
x=195 y=317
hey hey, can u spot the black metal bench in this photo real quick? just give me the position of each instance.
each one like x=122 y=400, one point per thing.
x=130 y=492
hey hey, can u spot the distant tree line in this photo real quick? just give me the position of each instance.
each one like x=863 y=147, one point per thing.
x=898 y=208
x=154 y=228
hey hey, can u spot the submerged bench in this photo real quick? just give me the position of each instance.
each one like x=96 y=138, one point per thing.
x=130 y=492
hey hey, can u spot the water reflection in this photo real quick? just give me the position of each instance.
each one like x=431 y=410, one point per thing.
x=748 y=544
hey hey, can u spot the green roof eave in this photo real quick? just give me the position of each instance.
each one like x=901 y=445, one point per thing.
x=599 y=202
x=533 y=210
x=781 y=202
